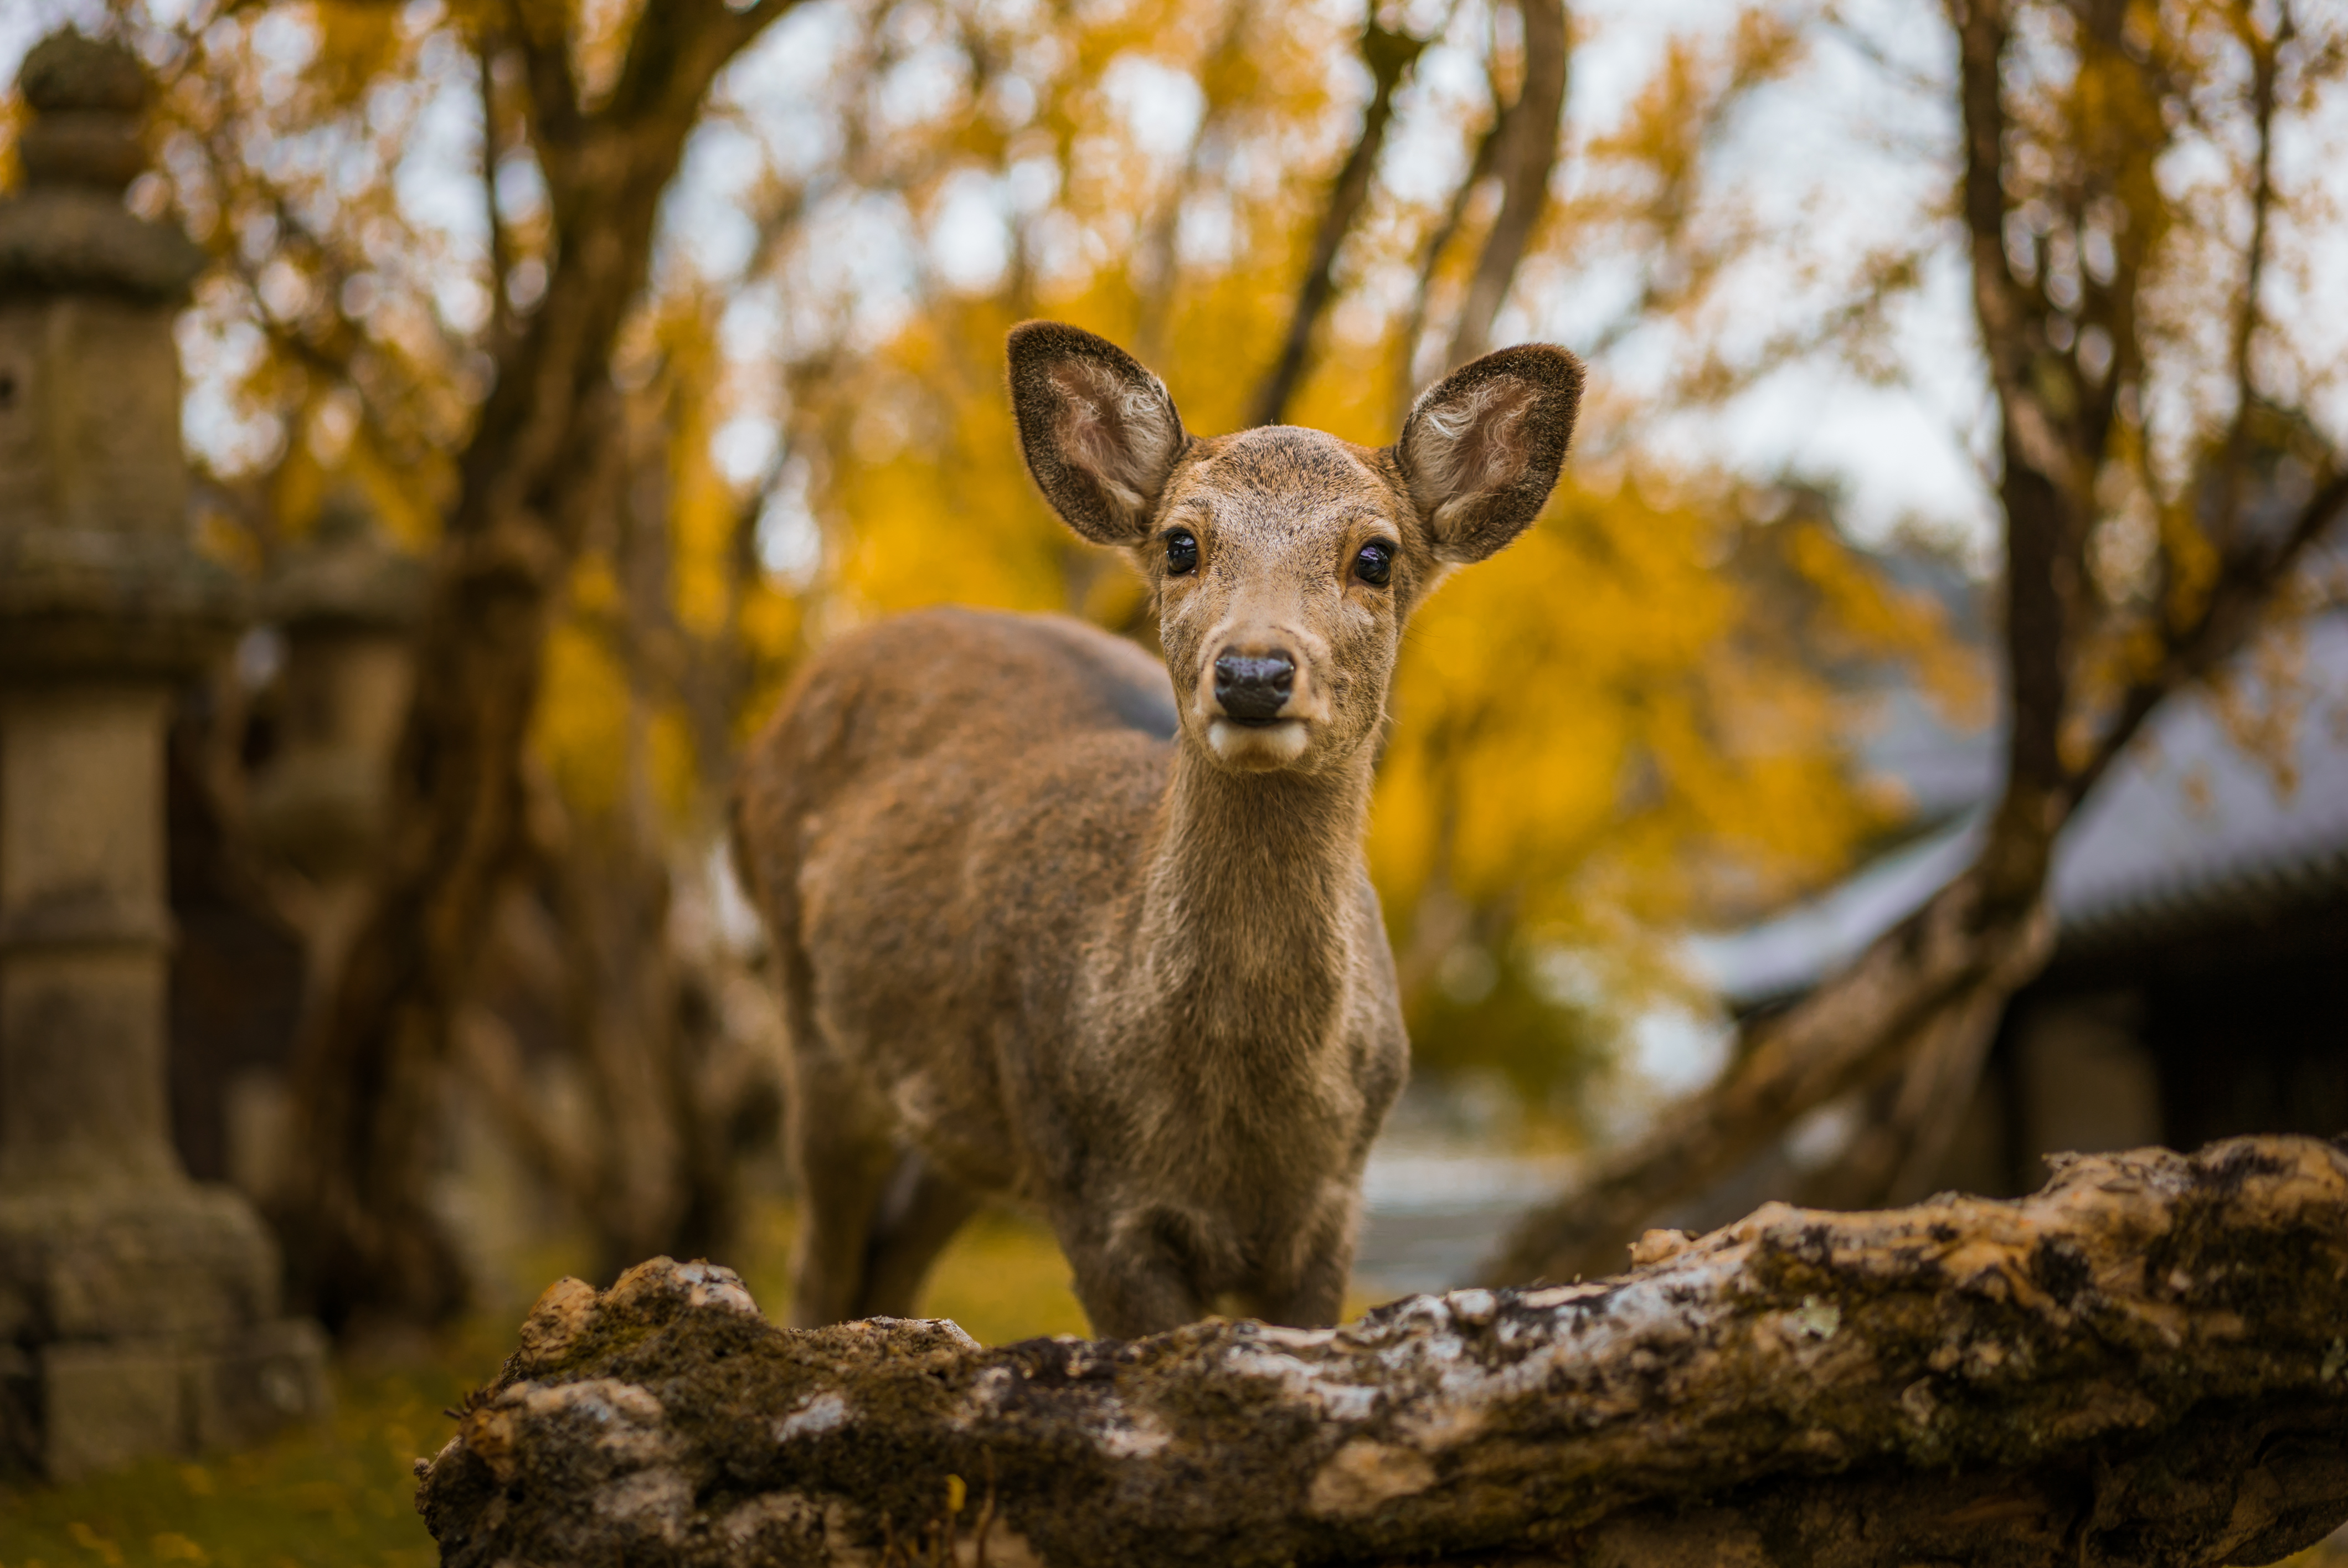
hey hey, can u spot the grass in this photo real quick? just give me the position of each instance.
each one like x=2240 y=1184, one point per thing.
x=338 y=1494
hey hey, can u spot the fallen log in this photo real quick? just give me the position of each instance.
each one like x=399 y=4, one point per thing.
x=2144 y=1363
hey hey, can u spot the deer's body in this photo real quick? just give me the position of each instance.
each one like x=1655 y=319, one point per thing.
x=1051 y=925
x=1001 y=956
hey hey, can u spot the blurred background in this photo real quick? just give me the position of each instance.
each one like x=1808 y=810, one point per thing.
x=557 y=375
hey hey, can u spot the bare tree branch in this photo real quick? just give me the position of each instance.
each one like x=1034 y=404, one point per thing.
x=1389 y=55
x=1895 y=1158
x=2228 y=616
x=2264 y=71
x=2041 y=489
x=554 y=118
x=1158 y=268
x=500 y=326
x=1438 y=241
x=1525 y=156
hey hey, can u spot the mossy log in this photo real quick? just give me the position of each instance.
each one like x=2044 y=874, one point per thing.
x=2144 y=1363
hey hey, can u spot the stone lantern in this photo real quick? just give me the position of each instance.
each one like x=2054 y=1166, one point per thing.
x=347 y=604
x=139 y=1310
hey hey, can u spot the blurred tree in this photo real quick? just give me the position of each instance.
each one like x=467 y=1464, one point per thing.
x=539 y=454
x=667 y=636
x=2126 y=219
x=1593 y=739
x=485 y=412
x=1389 y=55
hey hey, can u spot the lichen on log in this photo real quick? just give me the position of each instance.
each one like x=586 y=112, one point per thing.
x=2147 y=1362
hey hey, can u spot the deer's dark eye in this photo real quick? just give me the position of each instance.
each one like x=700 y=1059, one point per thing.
x=1373 y=563
x=1182 y=553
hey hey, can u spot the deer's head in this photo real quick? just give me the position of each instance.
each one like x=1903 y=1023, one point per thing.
x=1283 y=560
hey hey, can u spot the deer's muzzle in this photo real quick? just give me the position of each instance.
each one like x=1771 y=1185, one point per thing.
x=1251 y=689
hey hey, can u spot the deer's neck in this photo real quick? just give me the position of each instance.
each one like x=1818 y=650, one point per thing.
x=1250 y=902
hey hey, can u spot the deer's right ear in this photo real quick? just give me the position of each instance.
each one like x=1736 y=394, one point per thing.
x=1098 y=431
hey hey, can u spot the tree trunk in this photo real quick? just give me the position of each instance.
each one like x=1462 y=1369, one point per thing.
x=364 y=1240
x=2143 y=1364
x=1926 y=996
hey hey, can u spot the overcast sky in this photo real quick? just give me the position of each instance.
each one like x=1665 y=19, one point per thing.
x=1858 y=147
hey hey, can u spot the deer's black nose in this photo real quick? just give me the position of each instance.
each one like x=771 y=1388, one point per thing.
x=1253 y=689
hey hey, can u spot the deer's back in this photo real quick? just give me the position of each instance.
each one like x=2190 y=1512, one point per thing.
x=934 y=822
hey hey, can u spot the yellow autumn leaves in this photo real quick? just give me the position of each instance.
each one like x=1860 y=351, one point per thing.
x=1620 y=724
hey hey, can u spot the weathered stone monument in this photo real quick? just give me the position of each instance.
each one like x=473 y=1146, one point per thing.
x=347 y=603
x=139 y=1310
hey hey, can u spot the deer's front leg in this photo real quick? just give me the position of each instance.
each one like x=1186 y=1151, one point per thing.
x=1310 y=1293
x=1134 y=1271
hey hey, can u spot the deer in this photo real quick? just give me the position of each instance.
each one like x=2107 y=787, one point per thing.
x=1057 y=923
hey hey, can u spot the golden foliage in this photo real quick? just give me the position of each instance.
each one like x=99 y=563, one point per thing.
x=1597 y=738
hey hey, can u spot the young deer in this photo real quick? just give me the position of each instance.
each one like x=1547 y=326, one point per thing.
x=1050 y=928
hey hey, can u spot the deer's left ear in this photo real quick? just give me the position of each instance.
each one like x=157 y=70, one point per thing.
x=1482 y=447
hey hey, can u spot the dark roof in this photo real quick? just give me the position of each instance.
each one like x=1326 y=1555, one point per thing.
x=2188 y=829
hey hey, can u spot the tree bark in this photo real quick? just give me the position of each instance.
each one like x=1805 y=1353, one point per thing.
x=2143 y=1364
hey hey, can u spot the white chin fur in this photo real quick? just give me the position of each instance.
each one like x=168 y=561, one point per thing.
x=1263 y=746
